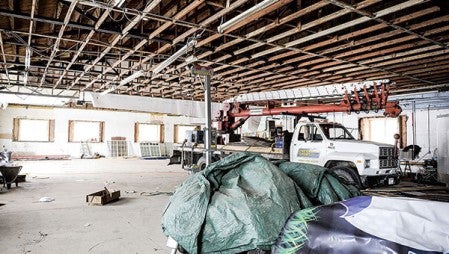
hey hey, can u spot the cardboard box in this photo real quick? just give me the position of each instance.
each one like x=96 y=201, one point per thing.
x=102 y=197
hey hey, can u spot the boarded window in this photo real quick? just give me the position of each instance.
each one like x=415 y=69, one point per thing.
x=82 y=131
x=180 y=132
x=148 y=132
x=33 y=130
x=382 y=129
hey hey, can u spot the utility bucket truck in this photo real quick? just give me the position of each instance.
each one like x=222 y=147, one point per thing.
x=330 y=145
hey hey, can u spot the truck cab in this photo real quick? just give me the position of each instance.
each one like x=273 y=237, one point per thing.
x=331 y=145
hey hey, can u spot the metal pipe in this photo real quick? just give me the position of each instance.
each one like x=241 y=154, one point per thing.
x=413 y=127
x=115 y=40
x=207 y=101
x=292 y=110
x=83 y=45
x=40 y=95
x=392 y=109
x=58 y=40
x=428 y=127
x=4 y=60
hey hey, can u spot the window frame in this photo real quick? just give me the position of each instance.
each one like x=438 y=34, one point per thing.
x=137 y=132
x=71 y=130
x=317 y=131
x=402 y=125
x=16 y=130
x=175 y=130
x=330 y=126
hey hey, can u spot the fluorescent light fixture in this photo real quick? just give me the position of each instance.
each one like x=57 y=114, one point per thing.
x=25 y=78
x=118 y=3
x=110 y=89
x=128 y=79
x=124 y=81
x=27 y=58
x=191 y=59
x=27 y=64
x=175 y=56
x=256 y=8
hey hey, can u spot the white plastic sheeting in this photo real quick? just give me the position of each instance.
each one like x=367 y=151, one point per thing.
x=151 y=104
x=418 y=224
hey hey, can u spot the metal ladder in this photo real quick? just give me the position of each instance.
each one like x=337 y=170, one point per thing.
x=85 y=150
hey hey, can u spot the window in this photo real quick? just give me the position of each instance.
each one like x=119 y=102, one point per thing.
x=180 y=132
x=148 y=132
x=33 y=130
x=82 y=131
x=309 y=132
x=382 y=129
x=335 y=131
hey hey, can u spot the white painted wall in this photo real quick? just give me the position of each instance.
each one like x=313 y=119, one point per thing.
x=117 y=123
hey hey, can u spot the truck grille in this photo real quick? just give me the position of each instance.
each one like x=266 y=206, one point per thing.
x=386 y=158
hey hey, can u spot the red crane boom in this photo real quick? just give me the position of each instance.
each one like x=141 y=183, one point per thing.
x=356 y=102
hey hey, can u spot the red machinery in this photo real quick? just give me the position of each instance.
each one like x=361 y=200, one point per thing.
x=356 y=102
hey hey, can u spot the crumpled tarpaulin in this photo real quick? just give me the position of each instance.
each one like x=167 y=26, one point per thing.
x=239 y=203
x=321 y=185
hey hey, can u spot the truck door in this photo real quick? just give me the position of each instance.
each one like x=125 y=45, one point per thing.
x=307 y=145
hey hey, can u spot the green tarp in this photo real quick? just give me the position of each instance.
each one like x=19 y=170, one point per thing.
x=241 y=203
x=321 y=185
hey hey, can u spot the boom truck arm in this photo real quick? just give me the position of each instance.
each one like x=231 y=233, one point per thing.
x=356 y=102
x=363 y=163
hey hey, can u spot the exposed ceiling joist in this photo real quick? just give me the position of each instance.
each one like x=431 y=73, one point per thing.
x=93 y=46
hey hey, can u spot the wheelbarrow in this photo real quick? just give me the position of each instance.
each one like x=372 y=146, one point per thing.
x=9 y=175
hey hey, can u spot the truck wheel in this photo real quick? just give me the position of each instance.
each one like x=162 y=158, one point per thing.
x=349 y=175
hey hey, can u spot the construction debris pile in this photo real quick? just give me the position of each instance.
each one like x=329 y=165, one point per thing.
x=241 y=202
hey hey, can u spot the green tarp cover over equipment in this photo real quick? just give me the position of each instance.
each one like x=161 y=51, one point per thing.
x=237 y=204
x=321 y=185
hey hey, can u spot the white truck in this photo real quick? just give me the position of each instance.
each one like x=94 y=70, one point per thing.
x=325 y=144
x=330 y=145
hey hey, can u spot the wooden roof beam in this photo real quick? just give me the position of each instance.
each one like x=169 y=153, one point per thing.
x=58 y=40
x=343 y=26
x=83 y=45
x=204 y=24
x=390 y=24
x=4 y=60
x=257 y=15
x=429 y=32
x=115 y=39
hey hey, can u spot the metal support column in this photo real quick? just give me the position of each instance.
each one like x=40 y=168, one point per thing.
x=208 y=134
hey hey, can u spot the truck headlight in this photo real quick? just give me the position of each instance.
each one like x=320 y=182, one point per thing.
x=367 y=163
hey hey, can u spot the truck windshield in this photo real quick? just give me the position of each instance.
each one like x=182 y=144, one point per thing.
x=335 y=131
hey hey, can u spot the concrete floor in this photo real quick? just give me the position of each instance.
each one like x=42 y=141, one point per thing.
x=69 y=225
